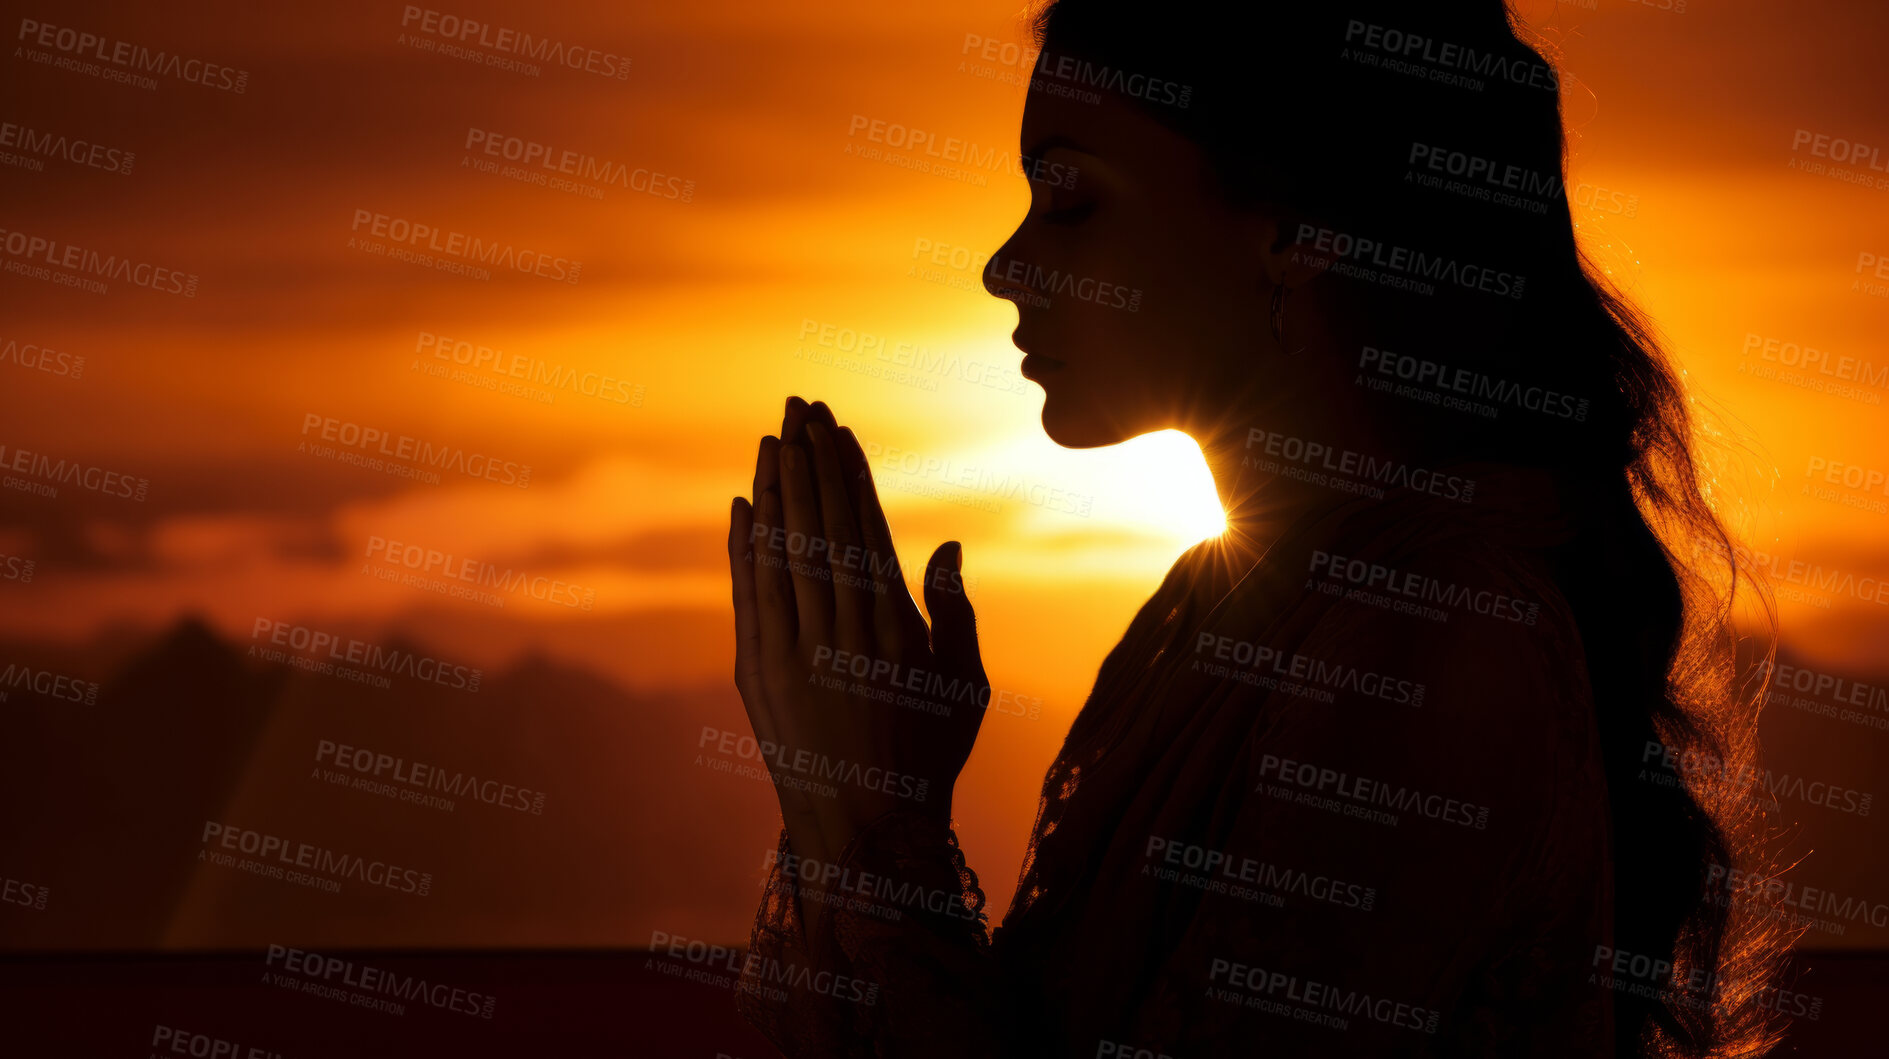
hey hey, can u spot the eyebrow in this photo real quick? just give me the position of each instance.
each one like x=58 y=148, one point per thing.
x=1047 y=144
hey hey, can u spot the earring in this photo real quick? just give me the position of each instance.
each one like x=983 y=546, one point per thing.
x=1279 y=293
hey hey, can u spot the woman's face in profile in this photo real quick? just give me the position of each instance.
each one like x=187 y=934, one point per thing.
x=1143 y=300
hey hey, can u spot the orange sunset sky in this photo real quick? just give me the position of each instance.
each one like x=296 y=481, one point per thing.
x=1700 y=183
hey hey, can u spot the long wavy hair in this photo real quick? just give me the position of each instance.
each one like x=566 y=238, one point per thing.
x=1319 y=110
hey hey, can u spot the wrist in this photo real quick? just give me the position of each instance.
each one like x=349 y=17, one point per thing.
x=810 y=836
x=820 y=829
x=859 y=813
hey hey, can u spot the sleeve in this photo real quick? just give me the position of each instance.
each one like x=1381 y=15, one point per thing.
x=898 y=961
x=1403 y=880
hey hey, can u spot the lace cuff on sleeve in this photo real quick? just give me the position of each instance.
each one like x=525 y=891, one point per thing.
x=898 y=961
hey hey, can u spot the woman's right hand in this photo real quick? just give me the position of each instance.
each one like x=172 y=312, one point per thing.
x=839 y=672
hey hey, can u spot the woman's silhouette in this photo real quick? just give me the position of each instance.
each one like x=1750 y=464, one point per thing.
x=1405 y=762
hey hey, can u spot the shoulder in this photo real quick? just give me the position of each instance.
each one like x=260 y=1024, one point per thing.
x=1496 y=698
x=1482 y=621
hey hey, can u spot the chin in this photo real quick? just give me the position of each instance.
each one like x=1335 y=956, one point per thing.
x=1078 y=428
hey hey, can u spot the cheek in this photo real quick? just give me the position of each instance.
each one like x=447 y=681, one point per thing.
x=1198 y=271
x=1206 y=297
x=1164 y=306
x=1119 y=349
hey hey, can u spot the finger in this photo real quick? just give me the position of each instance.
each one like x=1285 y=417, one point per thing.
x=824 y=414
x=767 y=467
x=852 y=591
x=765 y=538
x=813 y=591
x=773 y=591
x=818 y=412
x=953 y=622
x=896 y=619
x=747 y=619
x=795 y=419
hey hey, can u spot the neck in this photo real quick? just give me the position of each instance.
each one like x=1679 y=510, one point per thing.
x=1259 y=437
x=1259 y=501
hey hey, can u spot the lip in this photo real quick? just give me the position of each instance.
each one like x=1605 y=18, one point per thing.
x=1035 y=364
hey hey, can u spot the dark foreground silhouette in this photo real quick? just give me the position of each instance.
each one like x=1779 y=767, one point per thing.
x=1437 y=750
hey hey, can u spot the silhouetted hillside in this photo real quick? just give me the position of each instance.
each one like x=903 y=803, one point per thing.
x=110 y=802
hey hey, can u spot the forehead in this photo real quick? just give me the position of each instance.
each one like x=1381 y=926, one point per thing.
x=1130 y=146
x=1104 y=124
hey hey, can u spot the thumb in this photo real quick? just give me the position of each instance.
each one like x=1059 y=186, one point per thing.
x=953 y=623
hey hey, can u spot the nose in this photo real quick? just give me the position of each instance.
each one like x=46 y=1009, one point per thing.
x=1002 y=275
